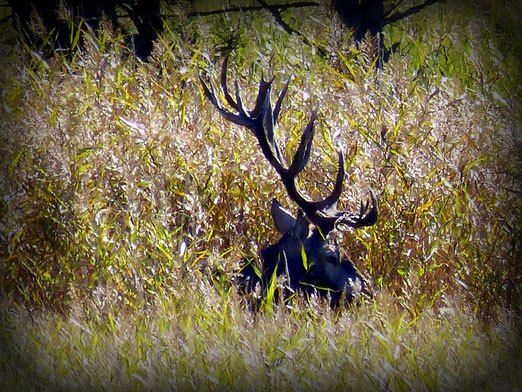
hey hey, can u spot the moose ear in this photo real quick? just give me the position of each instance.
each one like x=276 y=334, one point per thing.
x=283 y=220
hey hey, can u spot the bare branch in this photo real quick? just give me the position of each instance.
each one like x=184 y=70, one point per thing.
x=279 y=7
x=410 y=11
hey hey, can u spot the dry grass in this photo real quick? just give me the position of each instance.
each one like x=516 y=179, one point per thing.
x=128 y=203
x=211 y=344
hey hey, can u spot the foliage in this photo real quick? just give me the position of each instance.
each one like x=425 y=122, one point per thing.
x=128 y=203
x=174 y=345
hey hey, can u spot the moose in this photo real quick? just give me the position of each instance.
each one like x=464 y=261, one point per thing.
x=307 y=254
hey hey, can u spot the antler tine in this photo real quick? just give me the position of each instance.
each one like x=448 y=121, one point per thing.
x=263 y=129
x=333 y=198
x=323 y=213
x=260 y=120
x=302 y=154
x=209 y=92
x=262 y=109
x=211 y=95
x=371 y=216
x=365 y=218
x=224 y=87
x=263 y=91
x=277 y=107
x=239 y=102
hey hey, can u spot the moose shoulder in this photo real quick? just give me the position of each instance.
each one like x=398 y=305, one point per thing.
x=306 y=254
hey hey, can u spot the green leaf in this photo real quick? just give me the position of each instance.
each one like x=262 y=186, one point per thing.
x=83 y=152
x=14 y=162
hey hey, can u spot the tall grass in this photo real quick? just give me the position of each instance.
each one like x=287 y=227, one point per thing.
x=210 y=343
x=128 y=204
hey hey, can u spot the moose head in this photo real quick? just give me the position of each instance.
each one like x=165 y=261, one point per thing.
x=307 y=253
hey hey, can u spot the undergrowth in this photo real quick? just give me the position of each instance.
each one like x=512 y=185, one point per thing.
x=128 y=204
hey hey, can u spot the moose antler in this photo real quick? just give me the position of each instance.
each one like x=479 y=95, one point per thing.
x=261 y=121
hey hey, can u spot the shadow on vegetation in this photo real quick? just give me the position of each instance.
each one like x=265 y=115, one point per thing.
x=361 y=17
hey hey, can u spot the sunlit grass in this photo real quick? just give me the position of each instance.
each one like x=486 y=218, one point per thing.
x=209 y=342
x=128 y=204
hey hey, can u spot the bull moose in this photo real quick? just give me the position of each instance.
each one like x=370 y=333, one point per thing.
x=307 y=253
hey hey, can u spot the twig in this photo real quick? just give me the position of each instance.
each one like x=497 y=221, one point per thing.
x=276 y=7
x=277 y=16
x=411 y=11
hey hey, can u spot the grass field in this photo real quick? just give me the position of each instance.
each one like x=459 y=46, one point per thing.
x=128 y=204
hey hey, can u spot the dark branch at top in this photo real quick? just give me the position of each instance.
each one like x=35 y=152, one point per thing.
x=274 y=7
